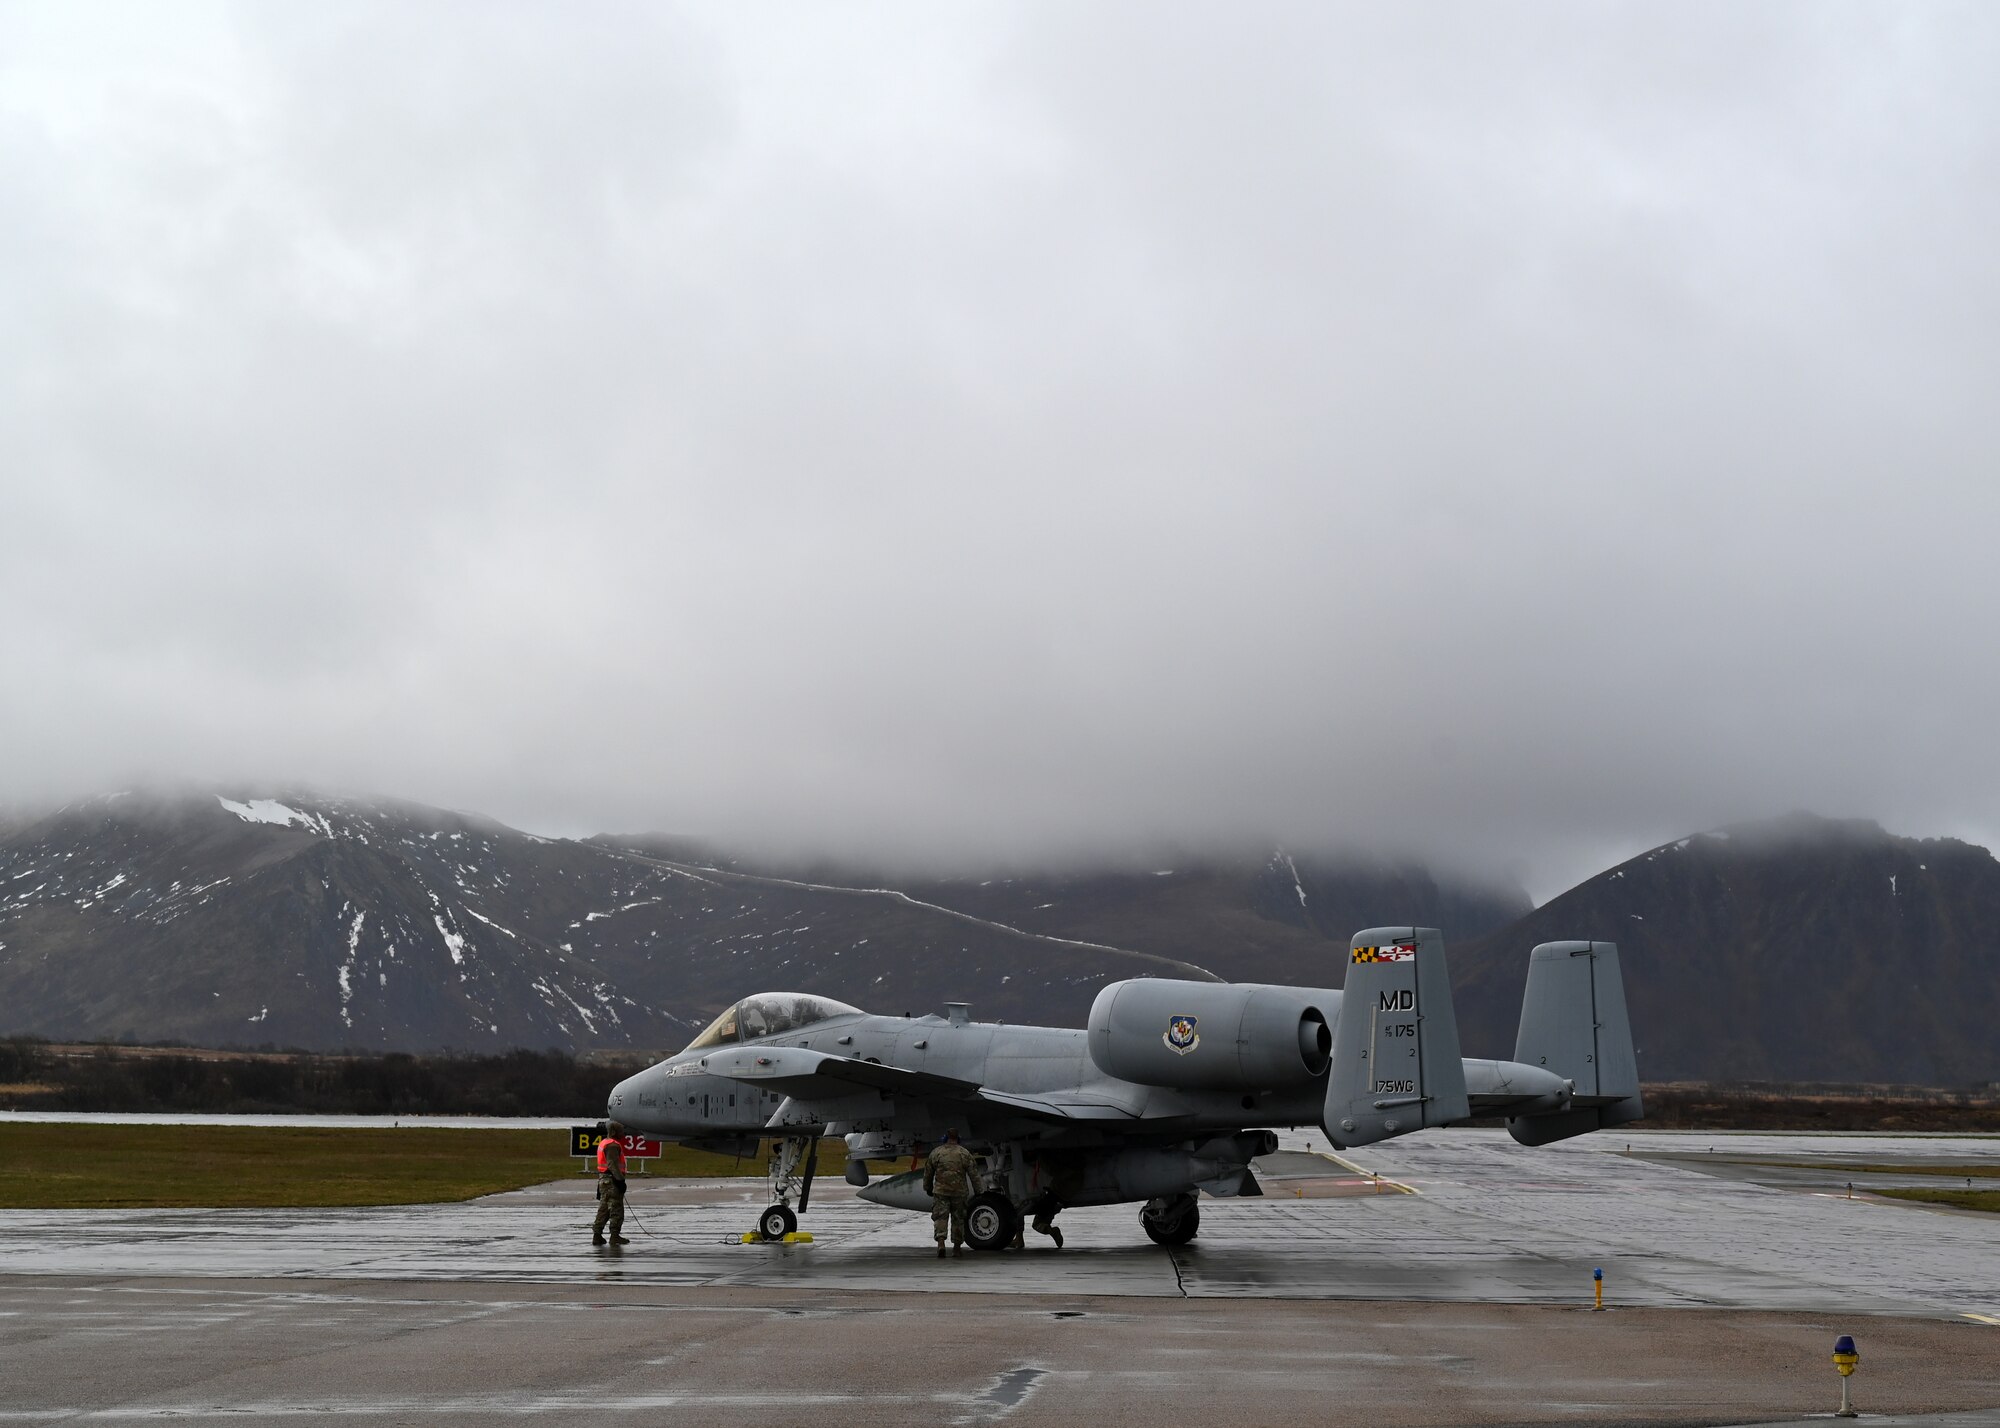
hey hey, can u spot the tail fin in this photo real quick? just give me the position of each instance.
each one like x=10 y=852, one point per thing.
x=1396 y=1066
x=1573 y=1022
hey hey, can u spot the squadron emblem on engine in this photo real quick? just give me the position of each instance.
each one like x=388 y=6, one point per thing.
x=1180 y=1035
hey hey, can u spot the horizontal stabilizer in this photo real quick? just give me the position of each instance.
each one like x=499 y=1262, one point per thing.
x=1396 y=1066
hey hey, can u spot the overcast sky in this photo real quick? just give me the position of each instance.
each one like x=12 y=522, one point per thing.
x=1515 y=433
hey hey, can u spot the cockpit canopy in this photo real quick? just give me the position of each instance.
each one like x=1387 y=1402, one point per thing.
x=767 y=1014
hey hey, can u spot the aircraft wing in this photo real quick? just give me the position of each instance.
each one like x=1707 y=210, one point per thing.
x=819 y=1076
x=815 y=1075
x=1078 y=1105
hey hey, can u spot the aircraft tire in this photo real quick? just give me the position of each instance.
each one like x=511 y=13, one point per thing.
x=1169 y=1228
x=777 y=1222
x=991 y=1221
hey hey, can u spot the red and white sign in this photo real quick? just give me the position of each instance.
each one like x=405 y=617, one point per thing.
x=583 y=1141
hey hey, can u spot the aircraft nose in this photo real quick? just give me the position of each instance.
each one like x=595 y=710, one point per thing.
x=624 y=1097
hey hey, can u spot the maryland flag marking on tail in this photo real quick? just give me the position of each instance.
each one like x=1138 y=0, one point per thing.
x=1394 y=952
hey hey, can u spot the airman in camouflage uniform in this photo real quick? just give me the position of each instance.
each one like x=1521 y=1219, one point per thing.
x=951 y=1179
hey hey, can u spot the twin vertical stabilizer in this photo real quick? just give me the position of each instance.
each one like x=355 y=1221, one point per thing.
x=1396 y=1066
x=1573 y=1023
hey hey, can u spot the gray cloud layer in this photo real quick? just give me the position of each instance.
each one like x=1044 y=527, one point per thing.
x=1515 y=433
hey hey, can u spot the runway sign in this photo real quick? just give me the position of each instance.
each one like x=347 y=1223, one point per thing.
x=583 y=1141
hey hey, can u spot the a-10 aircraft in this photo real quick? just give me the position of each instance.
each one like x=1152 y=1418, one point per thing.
x=1173 y=1088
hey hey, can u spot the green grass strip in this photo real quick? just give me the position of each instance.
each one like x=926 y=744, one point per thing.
x=1978 y=1169
x=48 y=1166
x=1963 y=1199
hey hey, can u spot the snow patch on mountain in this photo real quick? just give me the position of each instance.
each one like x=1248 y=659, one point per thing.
x=347 y=968
x=269 y=810
x=454 y=941
x=1297 y=886
x=492 y=924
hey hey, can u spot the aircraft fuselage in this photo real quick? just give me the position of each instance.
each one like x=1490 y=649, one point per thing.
x=677 y=1100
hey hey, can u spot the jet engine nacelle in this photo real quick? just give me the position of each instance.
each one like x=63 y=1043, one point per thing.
x=1212 y=1036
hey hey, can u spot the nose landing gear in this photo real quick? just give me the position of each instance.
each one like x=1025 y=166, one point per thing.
x=793 y=1162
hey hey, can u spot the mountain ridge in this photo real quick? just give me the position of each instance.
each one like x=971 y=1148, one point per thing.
x=1799 y=948
x=1793 y=949
x=274 y=915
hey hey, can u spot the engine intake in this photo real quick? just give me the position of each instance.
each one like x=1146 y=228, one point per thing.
x=1212 y=1036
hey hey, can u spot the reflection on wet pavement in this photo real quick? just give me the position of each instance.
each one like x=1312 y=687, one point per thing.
x=1489 y=1221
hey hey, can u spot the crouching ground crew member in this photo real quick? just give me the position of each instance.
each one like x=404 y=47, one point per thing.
x=610 y=1186
x=951 y=1178
x=1045 y=1207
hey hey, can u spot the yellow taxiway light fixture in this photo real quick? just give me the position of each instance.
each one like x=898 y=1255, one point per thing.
x=1597 y=1279
x=1846 y=1358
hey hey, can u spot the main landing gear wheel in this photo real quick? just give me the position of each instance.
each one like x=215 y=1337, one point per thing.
x=1171 y=1220
x=777 y=1222
x=991 y=1221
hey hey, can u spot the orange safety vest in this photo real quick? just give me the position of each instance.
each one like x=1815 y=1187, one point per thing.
x=610 y=1149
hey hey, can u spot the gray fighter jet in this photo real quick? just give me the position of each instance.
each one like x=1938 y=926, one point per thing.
x=1172 y=1089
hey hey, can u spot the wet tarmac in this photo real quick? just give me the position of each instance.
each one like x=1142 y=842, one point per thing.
x=378 y=1352
x=1488 y=1222
x=1836 y=1164
x=1668 y=1232
x=1455 y=1289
